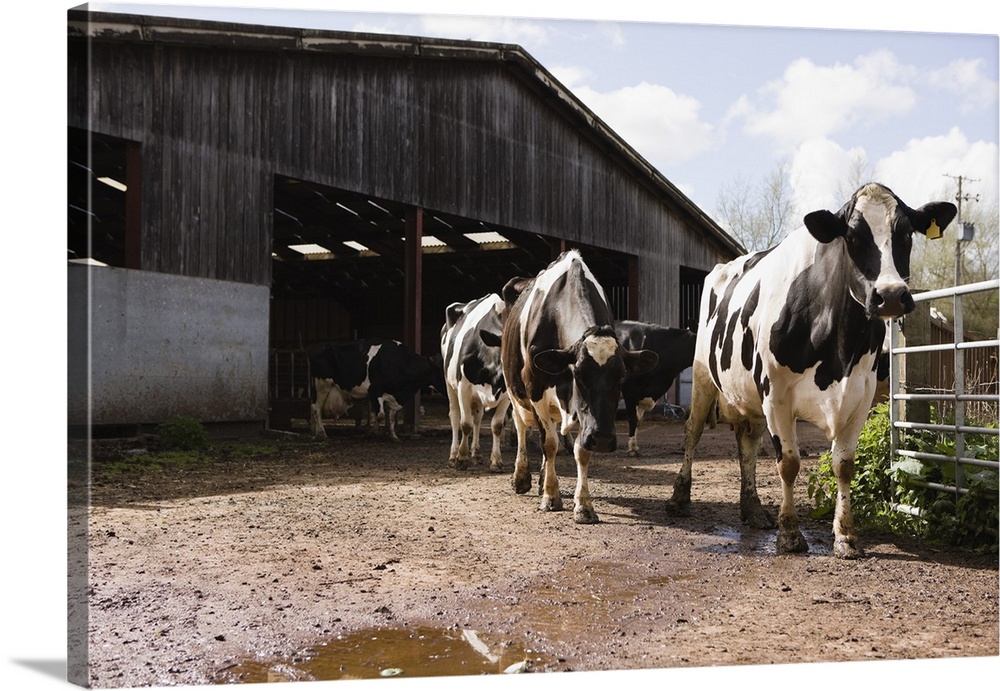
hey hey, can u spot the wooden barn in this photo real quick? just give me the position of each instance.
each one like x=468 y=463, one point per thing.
x=238 y=193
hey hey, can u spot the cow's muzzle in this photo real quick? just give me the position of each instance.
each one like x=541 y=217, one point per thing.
x=890 y=303
x=601 y=443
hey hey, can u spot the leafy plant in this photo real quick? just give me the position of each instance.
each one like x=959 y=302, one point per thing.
x=181 y=433
x=880 y=481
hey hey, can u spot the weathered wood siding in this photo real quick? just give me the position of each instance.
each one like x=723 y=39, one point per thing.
x=476 y=138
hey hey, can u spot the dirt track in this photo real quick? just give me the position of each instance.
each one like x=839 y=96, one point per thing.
x=286 y=565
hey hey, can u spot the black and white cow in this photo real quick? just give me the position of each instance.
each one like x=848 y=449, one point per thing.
x=564 y=368
x=473 y=377
x=794 y=333
x=675 y=349
x=385 y=373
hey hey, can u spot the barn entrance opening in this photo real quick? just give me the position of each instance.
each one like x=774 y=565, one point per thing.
x=103 y=199
x=691 y=283
x=339 y=272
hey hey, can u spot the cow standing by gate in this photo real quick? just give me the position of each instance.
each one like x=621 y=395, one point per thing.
x=675 y=351
x=473 y=377
x=564 y=368
x=794 y=333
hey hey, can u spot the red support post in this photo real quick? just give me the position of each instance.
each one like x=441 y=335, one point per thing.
x=412 y=299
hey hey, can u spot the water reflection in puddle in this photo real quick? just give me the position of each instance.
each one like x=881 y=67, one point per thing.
x=422 y=652
x=736 y=541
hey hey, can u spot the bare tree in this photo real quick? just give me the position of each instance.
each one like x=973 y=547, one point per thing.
x=932 y=266
x=758 y=216
x=858 y=173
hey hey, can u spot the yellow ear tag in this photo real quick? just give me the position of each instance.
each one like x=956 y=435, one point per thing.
x=933 y=232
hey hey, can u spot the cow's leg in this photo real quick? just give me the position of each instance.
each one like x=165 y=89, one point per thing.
x=632 y=414
x=465 y=395
x=703 y=397
x=316 y=409
x=786 y=448
x=551 y=499
x=374 y=415
x=477 y=423
x=634 y=419
x=391 y=407
x=521 y=480
x=454 y=417
x=583 y=511
x=845 y=543
x=752 y=513
x=496 y=428
x=316 y=421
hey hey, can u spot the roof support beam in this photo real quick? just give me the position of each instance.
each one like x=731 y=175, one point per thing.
x=413 y=296
x=633 y=288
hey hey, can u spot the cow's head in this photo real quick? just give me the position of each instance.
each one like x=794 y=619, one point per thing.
x=598 y=364
x=876 y=229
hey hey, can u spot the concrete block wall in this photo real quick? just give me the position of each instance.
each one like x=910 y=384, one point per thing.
x=145 y=346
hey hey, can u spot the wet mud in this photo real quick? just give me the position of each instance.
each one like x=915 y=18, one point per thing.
x=356 y=558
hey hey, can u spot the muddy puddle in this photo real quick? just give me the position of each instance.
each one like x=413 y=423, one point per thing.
x=737 y=541
x=421 y=652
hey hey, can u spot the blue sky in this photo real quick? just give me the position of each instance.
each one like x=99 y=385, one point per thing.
x=718 y=98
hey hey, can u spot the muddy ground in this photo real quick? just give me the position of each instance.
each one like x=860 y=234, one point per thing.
x=357 y=557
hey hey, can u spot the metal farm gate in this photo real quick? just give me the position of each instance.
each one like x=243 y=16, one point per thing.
x=964 y=407
x=289 y=388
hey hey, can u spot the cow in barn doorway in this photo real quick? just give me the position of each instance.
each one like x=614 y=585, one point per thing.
x=564 y=369
x=794 y=333
x=384 y=373
x=675 y=351
x=474 y=378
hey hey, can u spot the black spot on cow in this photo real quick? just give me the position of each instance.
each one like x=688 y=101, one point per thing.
x=748 y=337
x=808 y=332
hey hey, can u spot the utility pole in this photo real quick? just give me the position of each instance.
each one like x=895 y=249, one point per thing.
x=959 y=325
x=959 y=198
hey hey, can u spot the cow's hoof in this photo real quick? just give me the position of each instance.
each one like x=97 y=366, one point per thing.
x=551 y=503
x=496 y=467
x=521 y=485
x=677 y=507
x=844 y=548
x=633 y=453
x=792 y=543
x=758 y=518
x=461 y=463
x=585 y=515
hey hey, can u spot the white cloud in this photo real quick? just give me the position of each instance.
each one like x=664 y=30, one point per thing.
x=820 y=172
x=811 y=100
x=570 y=75
x=921 y=171
x=523 y=32
x=613 y=32
x=662 y=125
x=966 y=80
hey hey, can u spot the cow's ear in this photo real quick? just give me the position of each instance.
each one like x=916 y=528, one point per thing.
x=931 y=219
x=825 y=226
x=553 y=362
x=640 y=361
x=513 y=289
x=489 y=338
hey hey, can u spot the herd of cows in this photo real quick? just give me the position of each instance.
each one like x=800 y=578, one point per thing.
x=790 y=333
